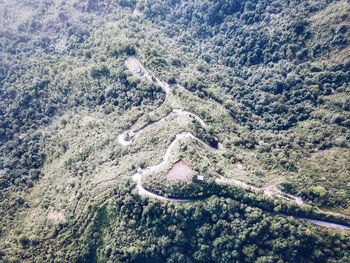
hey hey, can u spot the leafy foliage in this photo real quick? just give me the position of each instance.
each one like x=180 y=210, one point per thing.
x=281 y=70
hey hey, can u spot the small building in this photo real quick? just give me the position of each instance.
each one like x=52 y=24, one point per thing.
x=200 y=178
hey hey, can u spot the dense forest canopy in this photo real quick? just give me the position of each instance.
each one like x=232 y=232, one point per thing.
x=268 y=81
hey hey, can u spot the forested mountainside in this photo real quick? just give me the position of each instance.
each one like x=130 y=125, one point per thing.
x=174 y=131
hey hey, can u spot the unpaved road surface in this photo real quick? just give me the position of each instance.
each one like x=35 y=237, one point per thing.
x=139 y=70
x=176 y=112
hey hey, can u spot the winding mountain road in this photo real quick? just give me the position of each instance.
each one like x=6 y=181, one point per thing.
x=139 y=70
x=136 y=67
x=175 y=112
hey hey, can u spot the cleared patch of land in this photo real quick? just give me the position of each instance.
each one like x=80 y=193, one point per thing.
x=180 y=171
x=56 y=217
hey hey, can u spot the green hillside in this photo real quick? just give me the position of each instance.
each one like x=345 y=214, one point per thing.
x=174 y=131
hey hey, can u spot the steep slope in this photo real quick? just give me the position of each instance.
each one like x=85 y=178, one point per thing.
x=252 y=96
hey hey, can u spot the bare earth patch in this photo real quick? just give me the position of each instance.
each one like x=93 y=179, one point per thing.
x=180 y=171
x=239 y=164
x=137 y=69
x=56 y=217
